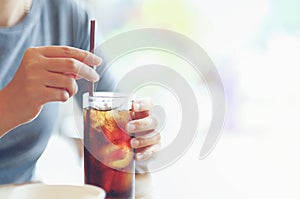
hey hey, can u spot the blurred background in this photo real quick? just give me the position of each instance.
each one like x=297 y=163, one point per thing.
x=255 y=45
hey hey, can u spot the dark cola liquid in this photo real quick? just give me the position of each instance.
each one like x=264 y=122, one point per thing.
x=108 y=157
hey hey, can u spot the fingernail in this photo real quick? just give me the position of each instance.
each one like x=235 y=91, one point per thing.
x=136 y=106
x=97 y=60
x=93 y=60
x=131 y=127
x=96 y=77
x=139 y=156
x=66 y=95
x=148 y=121
x=142 y=156
x=134 y=143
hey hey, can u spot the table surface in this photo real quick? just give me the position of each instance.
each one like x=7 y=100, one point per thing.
x=249 y=166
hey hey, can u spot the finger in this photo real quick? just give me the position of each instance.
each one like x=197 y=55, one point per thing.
x=147 y=152
x=77 y=77
x=61 y=81
x=140 y=114
x=70 y=52
x=141 y=125
x=50 y=94
x=145 y=141
x=72 y=66
x=142 y=104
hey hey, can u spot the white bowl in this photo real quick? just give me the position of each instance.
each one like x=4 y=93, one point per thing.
x=43 y=191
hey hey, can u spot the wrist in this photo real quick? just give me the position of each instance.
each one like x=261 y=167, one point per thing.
x=9 y=119
x=143 y=186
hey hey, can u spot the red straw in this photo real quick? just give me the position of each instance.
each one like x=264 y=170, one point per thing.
x=92 y=36
x=92 y=50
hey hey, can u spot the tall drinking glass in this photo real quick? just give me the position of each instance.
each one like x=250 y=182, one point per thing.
x=108 y=156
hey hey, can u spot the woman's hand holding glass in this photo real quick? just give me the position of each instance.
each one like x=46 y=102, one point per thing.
x=147 y=140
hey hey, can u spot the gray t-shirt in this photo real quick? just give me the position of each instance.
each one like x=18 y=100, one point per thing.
x=50 y=22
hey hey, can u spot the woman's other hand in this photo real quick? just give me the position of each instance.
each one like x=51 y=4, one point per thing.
x=45 y=74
